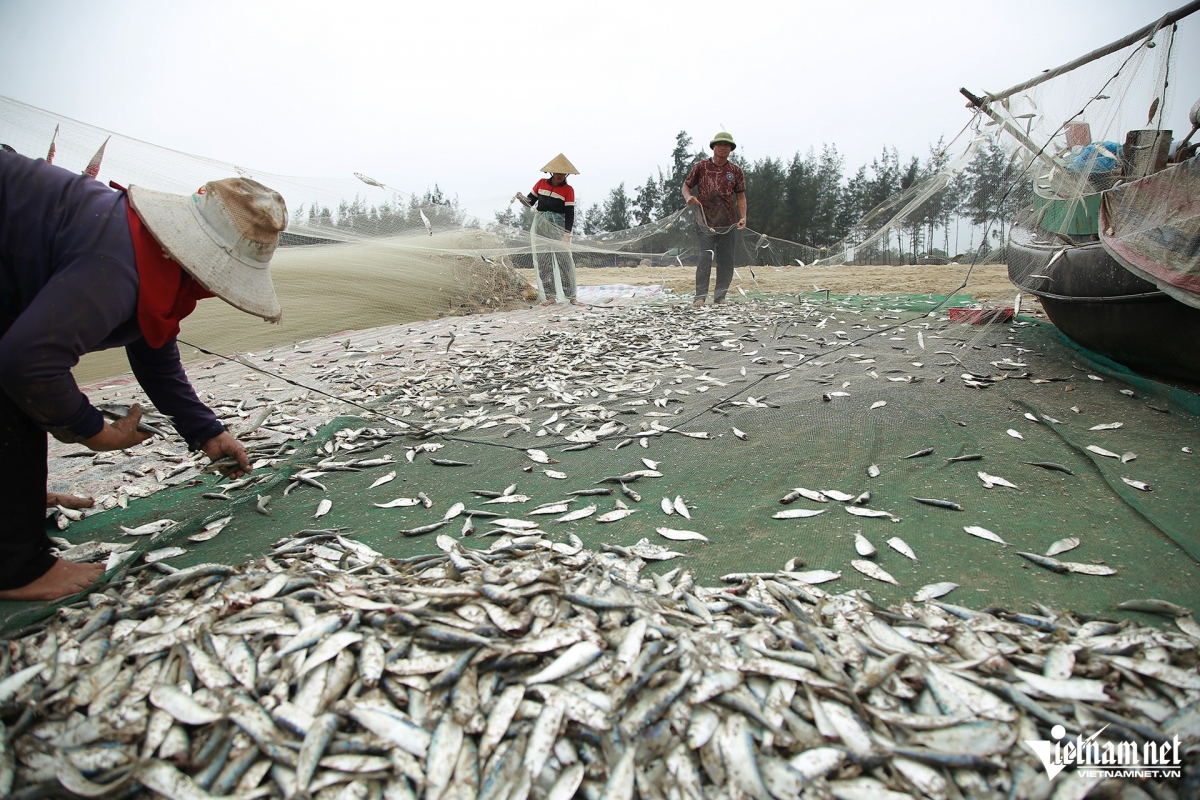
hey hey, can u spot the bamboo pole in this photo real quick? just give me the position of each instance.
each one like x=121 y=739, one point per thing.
x=1040 y=152
x=1140 y=33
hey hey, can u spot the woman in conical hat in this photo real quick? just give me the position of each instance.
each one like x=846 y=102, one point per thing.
x=554 y=200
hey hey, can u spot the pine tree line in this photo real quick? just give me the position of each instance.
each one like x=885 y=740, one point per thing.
x=809 y=198
x=392 y=217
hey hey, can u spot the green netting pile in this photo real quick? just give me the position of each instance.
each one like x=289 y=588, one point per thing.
x=803 y=379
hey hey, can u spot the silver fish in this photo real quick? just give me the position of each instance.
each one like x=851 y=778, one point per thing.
x=813 y=577
x=211 y=529
x=680 y=535
x=1150 y=606
x=984 y=533
x=576 y=657
x=859 y=511
x=444 y=748
x=702 y=726
x=554 y=508
x=991 y=480
x=181 y=706
x=873 y=571
x=381 y=480
x=1062 y=546
x=154 y=556
x=900 y=546
x=934 y=590
x=797 y=513
x=737 y=747
x=508 y=498
x=513 y=524
x=681 y=508
x=150 y=528
x=612 y=516
x=503 y=711
x=408 y=736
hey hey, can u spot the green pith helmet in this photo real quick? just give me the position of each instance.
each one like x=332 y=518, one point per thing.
x=723 y=138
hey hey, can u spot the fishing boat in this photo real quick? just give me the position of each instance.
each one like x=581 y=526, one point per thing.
x=1112 y=296
x=1110 y=241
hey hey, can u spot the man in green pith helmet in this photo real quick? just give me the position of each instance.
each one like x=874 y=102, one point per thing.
x=721 y=211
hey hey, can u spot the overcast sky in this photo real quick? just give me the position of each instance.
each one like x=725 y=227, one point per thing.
x=476 y=96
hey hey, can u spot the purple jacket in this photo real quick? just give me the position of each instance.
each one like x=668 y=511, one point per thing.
x=69 y=286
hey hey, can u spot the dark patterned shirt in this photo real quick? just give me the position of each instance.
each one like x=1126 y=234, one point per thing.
x=69 y=286
x=715 y=187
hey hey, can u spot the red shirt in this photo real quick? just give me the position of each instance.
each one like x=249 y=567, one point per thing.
x=166 y=293
x=716 y=187
x=556 y=199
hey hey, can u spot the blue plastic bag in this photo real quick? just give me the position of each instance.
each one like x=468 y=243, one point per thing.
x=1104 y=161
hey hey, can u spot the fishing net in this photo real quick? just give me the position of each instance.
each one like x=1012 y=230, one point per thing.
x=359 y=254
x=509 y=382
x=376 y=355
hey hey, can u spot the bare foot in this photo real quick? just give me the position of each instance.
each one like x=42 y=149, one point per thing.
x=575 y=302
x=698 y=303
x=63 y=579
x=68 y=501
x=550 y=303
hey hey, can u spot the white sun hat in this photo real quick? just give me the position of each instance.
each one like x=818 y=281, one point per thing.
x=224 y=236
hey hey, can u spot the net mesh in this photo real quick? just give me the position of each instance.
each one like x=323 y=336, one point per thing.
x=510 y=382
x=1066 y=135
x=425 y=257
x=375 y=285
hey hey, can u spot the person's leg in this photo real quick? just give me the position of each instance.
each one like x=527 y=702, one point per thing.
x=554 y=289
x=724 y=258
x=705 y=243
x=545 y=283
x=27 y=570
x=569 y=283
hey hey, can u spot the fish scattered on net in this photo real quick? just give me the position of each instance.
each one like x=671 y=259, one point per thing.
x=538 y=668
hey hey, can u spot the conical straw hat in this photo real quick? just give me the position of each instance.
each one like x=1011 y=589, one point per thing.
x=560 y=164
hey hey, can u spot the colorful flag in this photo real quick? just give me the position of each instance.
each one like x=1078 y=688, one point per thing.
x=93 y=167
x=50 y=155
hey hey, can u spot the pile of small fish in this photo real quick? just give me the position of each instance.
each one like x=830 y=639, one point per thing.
x=463 y=375
x=539 y=669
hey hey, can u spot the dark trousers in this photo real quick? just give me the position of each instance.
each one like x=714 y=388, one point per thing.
x=714 y=247
x=24 y=546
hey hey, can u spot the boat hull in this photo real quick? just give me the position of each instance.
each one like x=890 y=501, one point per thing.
x=1101 y=305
